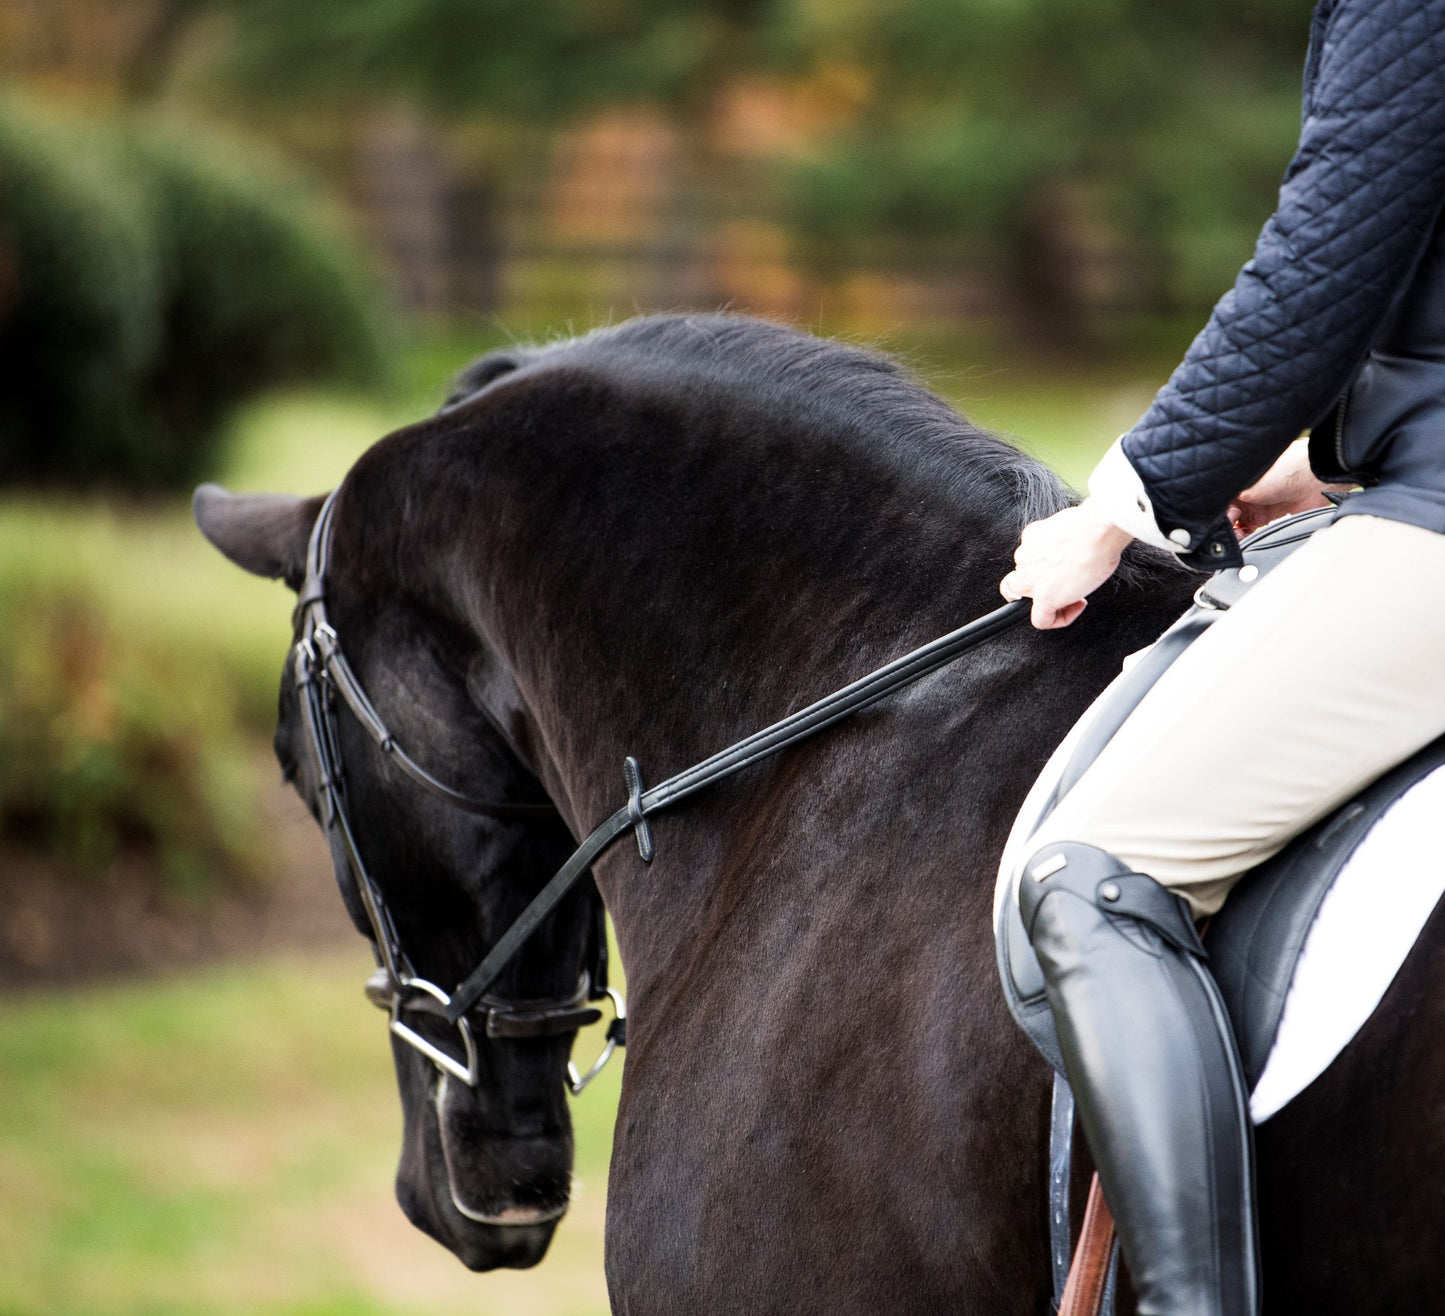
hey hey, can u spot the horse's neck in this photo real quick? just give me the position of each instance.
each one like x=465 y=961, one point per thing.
x=620 y=689
x=669 y=642
x=663 y=606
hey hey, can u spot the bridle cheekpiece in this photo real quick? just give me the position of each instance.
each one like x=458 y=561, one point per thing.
x=323 y=676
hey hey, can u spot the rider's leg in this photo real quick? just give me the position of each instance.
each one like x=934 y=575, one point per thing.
x=1156 y=1077
x=1323 y=676
x=1328 y=672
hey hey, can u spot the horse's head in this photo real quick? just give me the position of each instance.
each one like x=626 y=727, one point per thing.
x=487 y=1144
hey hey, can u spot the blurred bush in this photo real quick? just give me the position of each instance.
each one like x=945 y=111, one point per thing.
x=152 y=277
x=108 y=752
x=79 y=300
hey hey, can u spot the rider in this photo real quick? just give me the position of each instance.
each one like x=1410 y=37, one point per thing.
x=1324 y=674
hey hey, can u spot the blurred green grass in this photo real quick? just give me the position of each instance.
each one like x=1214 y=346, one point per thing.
x=223 y=1142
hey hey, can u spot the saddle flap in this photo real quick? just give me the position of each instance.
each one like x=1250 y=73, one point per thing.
x=1255 y=940
x=1023 y=983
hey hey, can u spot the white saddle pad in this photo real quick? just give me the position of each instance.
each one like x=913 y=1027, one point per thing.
x=1365 y=928
x=1370 y=919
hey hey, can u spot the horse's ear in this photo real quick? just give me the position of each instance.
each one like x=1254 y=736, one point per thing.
x=266 y=534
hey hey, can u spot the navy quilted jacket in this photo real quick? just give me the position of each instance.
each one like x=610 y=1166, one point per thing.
x=1356 y=226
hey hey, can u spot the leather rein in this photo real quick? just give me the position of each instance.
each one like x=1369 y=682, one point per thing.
x=322 y=674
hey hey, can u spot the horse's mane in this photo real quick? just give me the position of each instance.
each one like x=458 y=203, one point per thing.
x=856 y=395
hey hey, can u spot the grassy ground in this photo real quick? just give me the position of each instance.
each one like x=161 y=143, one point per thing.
x=223 y=1142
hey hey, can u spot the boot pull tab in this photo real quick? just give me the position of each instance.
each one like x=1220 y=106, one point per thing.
x=1140 y=897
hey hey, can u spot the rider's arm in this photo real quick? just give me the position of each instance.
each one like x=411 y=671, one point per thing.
x=1359 y=199
x=1289 y=486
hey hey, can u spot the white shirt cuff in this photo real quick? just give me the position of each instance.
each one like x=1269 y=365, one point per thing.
x=1117 y=493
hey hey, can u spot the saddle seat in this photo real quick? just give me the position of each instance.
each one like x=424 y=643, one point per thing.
x=1308 y=942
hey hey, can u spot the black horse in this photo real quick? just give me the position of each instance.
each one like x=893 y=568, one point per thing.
x=652 y=541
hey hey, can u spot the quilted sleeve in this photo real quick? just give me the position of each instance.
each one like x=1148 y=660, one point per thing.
x=1358 y=201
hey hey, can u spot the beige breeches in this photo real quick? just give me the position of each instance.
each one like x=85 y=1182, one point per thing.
x=1330 y=670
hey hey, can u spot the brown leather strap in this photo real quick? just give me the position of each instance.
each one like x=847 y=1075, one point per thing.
x=1084 y=1293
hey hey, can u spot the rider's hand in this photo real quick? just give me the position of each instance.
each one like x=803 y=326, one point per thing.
x=1060 y=560
x=1288 y=486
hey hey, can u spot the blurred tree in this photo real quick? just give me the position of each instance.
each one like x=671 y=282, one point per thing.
x=517 y=59
x=515 y=69
x=1101 y=152
x=1092 y=156
x=147 y=64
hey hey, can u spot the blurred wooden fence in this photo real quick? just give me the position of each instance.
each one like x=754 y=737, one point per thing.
x=626 y=211
x=613 y=216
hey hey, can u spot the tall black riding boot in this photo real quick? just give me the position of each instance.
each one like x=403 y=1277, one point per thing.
x=1156 y=1077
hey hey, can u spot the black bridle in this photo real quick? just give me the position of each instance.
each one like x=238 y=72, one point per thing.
x=323 y=676
x=322 y=672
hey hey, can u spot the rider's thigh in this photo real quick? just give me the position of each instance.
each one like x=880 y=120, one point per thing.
x=1328 y=672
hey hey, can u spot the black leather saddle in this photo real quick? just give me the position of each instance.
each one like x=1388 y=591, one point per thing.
x=1255 y=941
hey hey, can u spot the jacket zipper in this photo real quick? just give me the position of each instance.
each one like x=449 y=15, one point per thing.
x=1341 y=466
